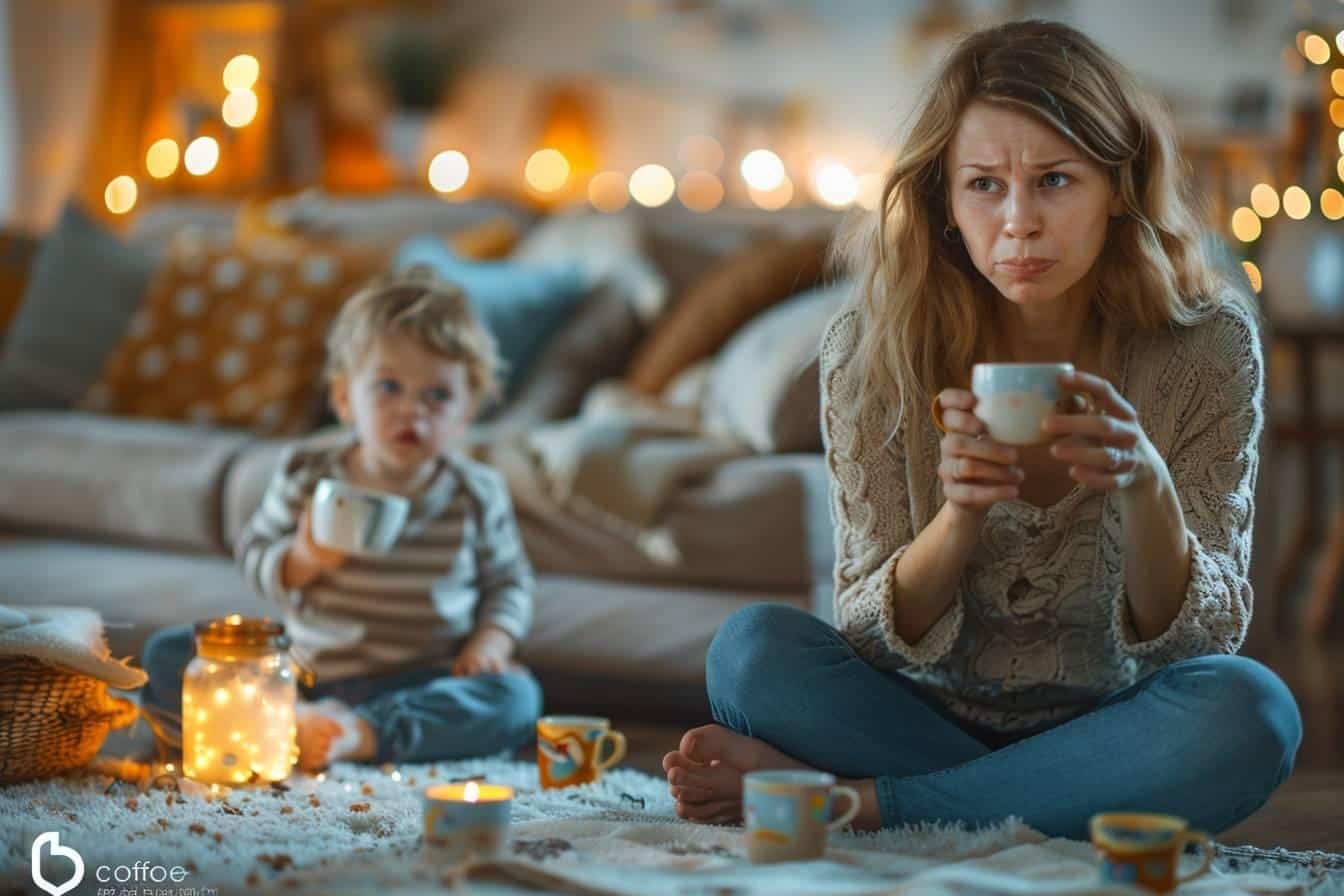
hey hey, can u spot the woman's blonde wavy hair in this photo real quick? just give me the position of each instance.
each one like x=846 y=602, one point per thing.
x=924 y=310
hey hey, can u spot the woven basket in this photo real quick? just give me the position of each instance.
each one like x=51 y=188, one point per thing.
x=52 y=719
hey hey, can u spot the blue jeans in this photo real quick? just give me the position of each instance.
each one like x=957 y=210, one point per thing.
x=1207 y=739
x=419 y=715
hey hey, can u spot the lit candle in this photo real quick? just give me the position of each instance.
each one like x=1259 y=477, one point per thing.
x=465 y=821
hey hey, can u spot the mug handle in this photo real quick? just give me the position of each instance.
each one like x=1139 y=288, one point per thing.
x=617 y=740
x=848 y=815
x=1203 y=839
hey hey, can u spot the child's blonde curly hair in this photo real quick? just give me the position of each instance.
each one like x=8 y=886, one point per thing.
x=420 y=306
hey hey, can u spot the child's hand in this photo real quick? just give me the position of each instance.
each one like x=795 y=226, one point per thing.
x=307 y=559
x=487 y=650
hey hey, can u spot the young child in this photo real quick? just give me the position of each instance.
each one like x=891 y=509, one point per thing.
x=411 y=651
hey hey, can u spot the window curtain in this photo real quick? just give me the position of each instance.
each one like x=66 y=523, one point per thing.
x=50 y=54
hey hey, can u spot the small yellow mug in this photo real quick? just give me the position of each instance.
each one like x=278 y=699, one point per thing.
x=1145 y=849
x=569 y=749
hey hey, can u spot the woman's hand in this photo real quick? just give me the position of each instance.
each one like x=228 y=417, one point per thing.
x=1106 y=449
x=977 y=472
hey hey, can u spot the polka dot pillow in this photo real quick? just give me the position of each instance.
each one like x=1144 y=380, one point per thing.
x=231 y=333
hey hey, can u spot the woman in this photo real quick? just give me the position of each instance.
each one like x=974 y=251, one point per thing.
x=1046 y=631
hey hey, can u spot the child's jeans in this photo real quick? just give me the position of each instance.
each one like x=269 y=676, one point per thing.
x=419 y=715
x=1207 y=738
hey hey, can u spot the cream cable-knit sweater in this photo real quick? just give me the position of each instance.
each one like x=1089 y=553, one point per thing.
x=1040 y=629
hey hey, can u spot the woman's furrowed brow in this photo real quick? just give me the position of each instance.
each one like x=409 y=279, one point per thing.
x=1041 y=166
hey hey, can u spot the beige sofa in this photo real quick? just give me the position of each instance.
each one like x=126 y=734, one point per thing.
x=136 y=519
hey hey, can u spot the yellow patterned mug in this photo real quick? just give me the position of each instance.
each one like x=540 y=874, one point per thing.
x=569 y=749
x=1145 y=849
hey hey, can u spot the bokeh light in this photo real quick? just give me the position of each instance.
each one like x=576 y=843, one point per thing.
x=1296 y=203
x=607 y=191
x=1265 y=200
x=1245 y=225
x=1316 y=49
x=700 y=191
x=121 y=194
x=240 y=108
x=1337 y=111
x=448 y=171
x=162 y=158
x=1332 y=203
x=1253 y=274
x=1337 y=80
x=241 y=72
x=770 y=200
x=834 y=183
x=652 y=185
x=762 y=170
x=547 y=170
x=202 y=156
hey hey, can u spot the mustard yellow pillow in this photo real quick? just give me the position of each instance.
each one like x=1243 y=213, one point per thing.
x=232 y=332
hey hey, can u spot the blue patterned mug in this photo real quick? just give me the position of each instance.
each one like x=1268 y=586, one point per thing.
x=788 y=814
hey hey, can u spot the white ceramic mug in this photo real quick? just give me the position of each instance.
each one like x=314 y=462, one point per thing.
x=357 y=520
x=1013 y=399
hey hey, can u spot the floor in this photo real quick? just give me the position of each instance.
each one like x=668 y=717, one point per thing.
x=1307 y=812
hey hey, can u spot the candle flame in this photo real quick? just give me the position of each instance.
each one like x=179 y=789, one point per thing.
x=472 y=792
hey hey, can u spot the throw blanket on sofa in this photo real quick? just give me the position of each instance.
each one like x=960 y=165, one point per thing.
x=614 y=466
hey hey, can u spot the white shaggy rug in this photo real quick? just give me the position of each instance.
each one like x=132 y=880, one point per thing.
x=356 y=830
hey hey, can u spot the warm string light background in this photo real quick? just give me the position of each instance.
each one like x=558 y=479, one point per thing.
x=708 y=178
x=547 y=171
x=1295 y=202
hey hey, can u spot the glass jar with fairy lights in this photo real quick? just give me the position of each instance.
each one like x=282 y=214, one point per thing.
x=238 y=701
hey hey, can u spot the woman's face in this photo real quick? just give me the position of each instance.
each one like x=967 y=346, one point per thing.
x=1032 y=209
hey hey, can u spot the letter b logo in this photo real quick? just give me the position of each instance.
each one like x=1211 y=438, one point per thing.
x=52 y=839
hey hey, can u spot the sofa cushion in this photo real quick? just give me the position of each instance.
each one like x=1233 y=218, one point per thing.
x=522 y=304
x=732 y=292
x=232 y=333
x=81 y=292
x=765 y=389
x=74 y=473
x=607 y=248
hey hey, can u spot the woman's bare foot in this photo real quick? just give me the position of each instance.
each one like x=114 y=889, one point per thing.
x=704 y=776
x=327 y=731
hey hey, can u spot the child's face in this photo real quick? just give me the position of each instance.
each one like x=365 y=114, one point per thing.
x=406 y=403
